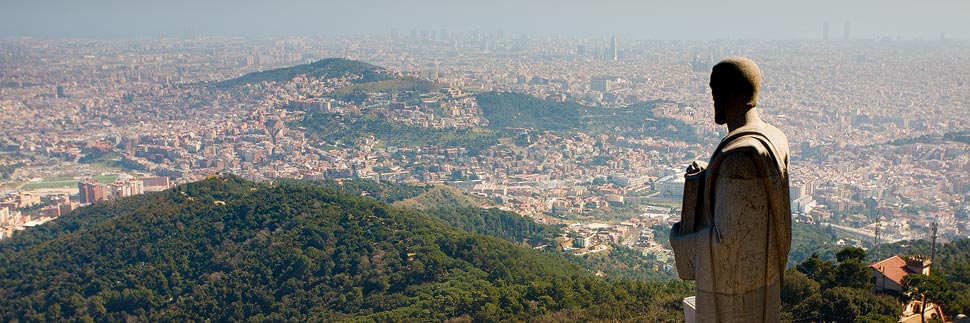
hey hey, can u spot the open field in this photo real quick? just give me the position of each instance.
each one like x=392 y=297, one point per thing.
x=64 y=181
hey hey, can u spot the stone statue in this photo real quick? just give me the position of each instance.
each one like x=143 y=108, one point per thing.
x=735 y=229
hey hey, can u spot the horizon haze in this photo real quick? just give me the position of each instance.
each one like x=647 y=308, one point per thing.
x=665 y=20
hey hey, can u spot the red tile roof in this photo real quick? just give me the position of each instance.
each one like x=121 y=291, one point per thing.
x=893 y=268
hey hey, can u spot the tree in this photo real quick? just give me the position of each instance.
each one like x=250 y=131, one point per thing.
x=852 y=273
x=926 y=288
x=797 y=288
x=845 y=305
x=851 y=253
x=818 y=270
x=876 y=318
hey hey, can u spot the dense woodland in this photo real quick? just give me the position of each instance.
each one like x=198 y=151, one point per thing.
x=334 y=127
x=329 y=67
x=505 y=110
x=515 y=110
x=816 y=290
x=225 y=249
x=458 y=209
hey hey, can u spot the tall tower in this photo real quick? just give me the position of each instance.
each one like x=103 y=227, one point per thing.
x=933 y=228
x=847 y=31
x=875 y=240
x=825 y=31
x=613 y=48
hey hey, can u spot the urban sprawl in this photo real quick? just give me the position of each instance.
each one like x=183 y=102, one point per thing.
x=878 y=128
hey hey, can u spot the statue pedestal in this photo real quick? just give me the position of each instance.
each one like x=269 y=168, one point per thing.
x=690 y=310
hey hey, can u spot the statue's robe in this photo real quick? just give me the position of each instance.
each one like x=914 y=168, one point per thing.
x=738 y=252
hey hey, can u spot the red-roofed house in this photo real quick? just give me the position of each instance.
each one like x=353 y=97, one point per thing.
x=888 y=274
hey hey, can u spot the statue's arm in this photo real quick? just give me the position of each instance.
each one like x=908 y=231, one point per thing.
x=687 y=249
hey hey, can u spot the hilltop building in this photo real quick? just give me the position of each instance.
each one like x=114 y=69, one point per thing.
x=887 y=275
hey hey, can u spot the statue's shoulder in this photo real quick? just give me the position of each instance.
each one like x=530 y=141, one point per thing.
x=763 y=141
x=744 y=144
x=777 y=138
x=745 y=151
x=739 y=163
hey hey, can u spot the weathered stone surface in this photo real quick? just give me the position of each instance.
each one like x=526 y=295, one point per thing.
x=738 y=249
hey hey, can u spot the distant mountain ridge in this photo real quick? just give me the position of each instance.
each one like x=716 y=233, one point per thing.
x=330 y=67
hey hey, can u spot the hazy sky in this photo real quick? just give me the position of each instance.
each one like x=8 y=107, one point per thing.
x=647 y=19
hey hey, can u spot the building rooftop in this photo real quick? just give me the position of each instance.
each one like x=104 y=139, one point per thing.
x=894 y=268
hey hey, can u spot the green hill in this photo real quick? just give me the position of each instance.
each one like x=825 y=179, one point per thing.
x=329 y=67
x=457 y=208
x=333 y=127
x=506 y=110
x=460 y=210
x=516 y=110
x=442 y=196
x=226 y=249
x=386 y=192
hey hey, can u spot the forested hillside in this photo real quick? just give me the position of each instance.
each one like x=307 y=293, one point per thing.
x=516 y=110
x=226 y=249
x=333 y=128
x=330 y=68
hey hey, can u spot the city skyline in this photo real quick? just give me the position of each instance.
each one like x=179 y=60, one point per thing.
x=699 y=20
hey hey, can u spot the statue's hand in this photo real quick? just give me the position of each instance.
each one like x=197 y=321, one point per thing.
x=675 y=229
x=696 y=167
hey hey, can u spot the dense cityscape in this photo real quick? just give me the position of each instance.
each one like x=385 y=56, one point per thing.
x=878 y=128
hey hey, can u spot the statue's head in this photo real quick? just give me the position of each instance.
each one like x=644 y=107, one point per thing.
x=735 y=82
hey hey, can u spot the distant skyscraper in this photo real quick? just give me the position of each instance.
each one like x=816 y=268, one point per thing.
x=613 y=48
x=847 y=31
x=60 y=91
x=825 y=31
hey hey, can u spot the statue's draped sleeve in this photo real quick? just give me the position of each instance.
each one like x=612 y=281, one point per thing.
x=741 y=214
x=738 y=237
